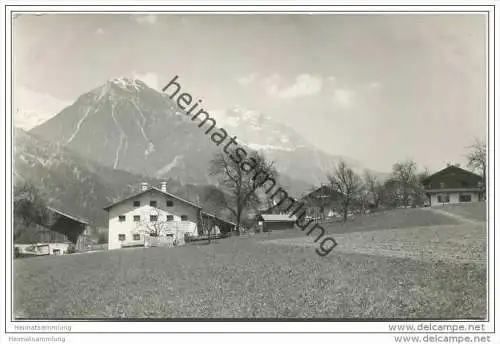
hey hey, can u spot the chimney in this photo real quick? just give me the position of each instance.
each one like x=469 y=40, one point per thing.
x=144 y=186
x=164 y=186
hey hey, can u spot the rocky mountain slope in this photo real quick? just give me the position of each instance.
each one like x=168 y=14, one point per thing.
x=294 y=156
x=126 y=125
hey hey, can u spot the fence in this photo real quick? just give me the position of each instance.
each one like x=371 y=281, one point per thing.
x=203 y=237
x=163 y=241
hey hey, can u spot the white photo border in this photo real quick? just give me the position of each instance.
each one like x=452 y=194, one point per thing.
x=250 y=325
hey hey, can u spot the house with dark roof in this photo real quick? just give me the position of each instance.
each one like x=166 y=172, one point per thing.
x=156 y=213
x=453 y=185
x=321 y=203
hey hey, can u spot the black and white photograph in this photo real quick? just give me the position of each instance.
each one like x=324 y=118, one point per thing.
x=250 y=166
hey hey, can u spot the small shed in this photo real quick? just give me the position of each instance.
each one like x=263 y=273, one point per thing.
x=270 y=222
x=59 y=232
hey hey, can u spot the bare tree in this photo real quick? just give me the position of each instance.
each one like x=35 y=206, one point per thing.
x=347 y=184
x=207 y=224
x=240 y=183
x=477 y=159
x=404 y=175
x=420 y=196
x=375 y=188
x=156 y=225
x=29 y=209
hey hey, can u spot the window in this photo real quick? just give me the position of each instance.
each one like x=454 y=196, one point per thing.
x=441 y=185
x=152 y=203
x=184 y=217
x=121 y=237
x=444 y=198
x=137 y=218
x=170 y=203
x=137 y=203
x=170 y=217
x=137 y=237
x=465 y=198
x=153 y=218
x=121 y=218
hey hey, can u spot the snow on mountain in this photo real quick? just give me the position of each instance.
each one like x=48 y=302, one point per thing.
x=258 y=131
x=293 y=155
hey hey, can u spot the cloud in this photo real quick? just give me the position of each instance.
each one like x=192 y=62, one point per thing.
x=146 y=19
x=271 y=84
x=32 y=108
x=247 y=80
x=343 y=97
x=305 y=85
x=151 y=79
x=375 y=85
x=99 y=31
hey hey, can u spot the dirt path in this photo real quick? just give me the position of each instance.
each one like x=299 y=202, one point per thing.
x=457 y=217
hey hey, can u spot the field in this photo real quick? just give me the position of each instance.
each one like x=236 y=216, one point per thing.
x=408 y=263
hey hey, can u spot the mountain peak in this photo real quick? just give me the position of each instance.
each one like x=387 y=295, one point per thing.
x=116 y=85
x=127 y=83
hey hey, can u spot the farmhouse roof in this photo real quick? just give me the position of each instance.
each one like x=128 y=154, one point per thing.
x=278 y=218
x=152 y=188
x=450 y=170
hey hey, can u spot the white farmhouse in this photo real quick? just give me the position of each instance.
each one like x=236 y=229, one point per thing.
x=152 y=212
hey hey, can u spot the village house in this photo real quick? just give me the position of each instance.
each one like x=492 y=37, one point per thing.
x=155 y=213
x=321 y=203
x=453 y=185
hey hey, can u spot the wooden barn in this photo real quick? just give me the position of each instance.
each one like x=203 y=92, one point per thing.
x=58 y=235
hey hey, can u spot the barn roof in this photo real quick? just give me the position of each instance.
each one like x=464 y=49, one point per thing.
x=278 y=218
x=72 y=217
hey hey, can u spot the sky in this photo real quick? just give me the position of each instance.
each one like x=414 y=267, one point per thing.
x=378 y=88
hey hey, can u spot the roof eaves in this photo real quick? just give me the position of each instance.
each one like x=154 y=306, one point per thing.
x=149 y=189
x=77 y=219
